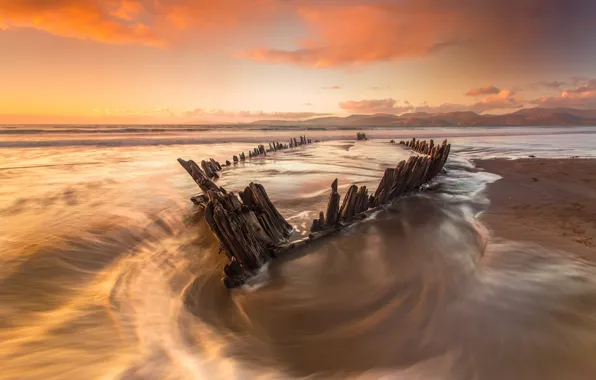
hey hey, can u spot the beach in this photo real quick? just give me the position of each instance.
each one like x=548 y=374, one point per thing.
x=551 y=202
x=108 y=270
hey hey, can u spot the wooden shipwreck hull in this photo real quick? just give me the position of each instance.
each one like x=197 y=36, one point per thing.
x=251 y=231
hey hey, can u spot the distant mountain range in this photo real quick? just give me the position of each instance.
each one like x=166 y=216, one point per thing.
x=522 y=117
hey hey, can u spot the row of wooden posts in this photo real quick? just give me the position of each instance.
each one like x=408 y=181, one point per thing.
x=211 y=167
x=420 y=146
x=274 y=146
x=251 y=231
x=407 y=176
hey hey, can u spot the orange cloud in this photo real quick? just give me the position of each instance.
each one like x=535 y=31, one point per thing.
x=213 y=15
x=111 y=21
x=489 y=89
x=505 y=99
x=339 y=33
x=392 y=106
x=371 y=106
x=251 y=115
x=355 y=32
x=582 y=96
x=143 y=22
x=128 y=9
x=343 y=33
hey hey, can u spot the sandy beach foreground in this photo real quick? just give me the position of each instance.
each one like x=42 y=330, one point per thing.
x=551 y=202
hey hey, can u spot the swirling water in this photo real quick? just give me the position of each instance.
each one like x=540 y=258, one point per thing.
x=107 y=271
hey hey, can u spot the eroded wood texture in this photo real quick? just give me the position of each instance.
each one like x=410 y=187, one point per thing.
x=408 y=176
x=250 y=229
x=247 y=230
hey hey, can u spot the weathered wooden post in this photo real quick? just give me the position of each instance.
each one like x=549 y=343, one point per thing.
x=251 y=231
x=333 y=206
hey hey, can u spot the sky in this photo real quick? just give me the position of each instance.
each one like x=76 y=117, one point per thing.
x=233 y=61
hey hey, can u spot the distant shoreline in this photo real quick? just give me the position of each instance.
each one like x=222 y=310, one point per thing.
x=168 y=128
x=125 y=137
x=524 y=117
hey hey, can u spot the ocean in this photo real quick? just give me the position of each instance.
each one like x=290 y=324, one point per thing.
x=107 y=270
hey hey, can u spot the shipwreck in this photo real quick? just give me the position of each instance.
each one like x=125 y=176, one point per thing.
x=252 y=232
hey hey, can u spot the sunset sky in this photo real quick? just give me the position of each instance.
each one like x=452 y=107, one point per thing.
x=198 y=61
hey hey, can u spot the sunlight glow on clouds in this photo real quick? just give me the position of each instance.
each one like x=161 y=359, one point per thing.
x=111 y=21
x=204 y=59
x=486 y=90
x=582 y=96
x=494 y=99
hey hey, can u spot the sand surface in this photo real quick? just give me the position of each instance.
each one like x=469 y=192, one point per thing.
x=551 y=202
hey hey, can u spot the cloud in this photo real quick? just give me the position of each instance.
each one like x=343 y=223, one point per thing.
x=157 y=23
x=370 y=106
x=577 y=80
x=250 y=115
x=588 y=87
x=110 y=21
x=345 y=33
x=395 y=107
x=164 y=113
x=440 y=108
x=337 y=33
x=331 y=88
x=222 y=15
x=128 y=10
x=505 y=99
x=119 y=112
x=489 y=89
x=392 y=106
x=581 y=96
x=552 y=84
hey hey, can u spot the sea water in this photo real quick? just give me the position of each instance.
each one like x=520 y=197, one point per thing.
x=107 y=270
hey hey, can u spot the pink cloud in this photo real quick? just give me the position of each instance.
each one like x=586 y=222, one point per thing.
x=552 y=84
x=371 y=106
x=250 y=115
x=581 y=96
x=392 y=106
x=440 y=108
x=489 y=89
x=338 y=33
x=344 y=33
x=505 y=99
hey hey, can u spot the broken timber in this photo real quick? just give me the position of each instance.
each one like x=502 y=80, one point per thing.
x=210 y=168
x=251 y=231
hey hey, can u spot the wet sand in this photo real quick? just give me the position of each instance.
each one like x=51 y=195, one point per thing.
x=551 y=202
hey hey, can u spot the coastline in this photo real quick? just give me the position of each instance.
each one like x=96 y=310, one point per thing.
x=550 y=202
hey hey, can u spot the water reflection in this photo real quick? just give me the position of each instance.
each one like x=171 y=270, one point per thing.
x=107 y=271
